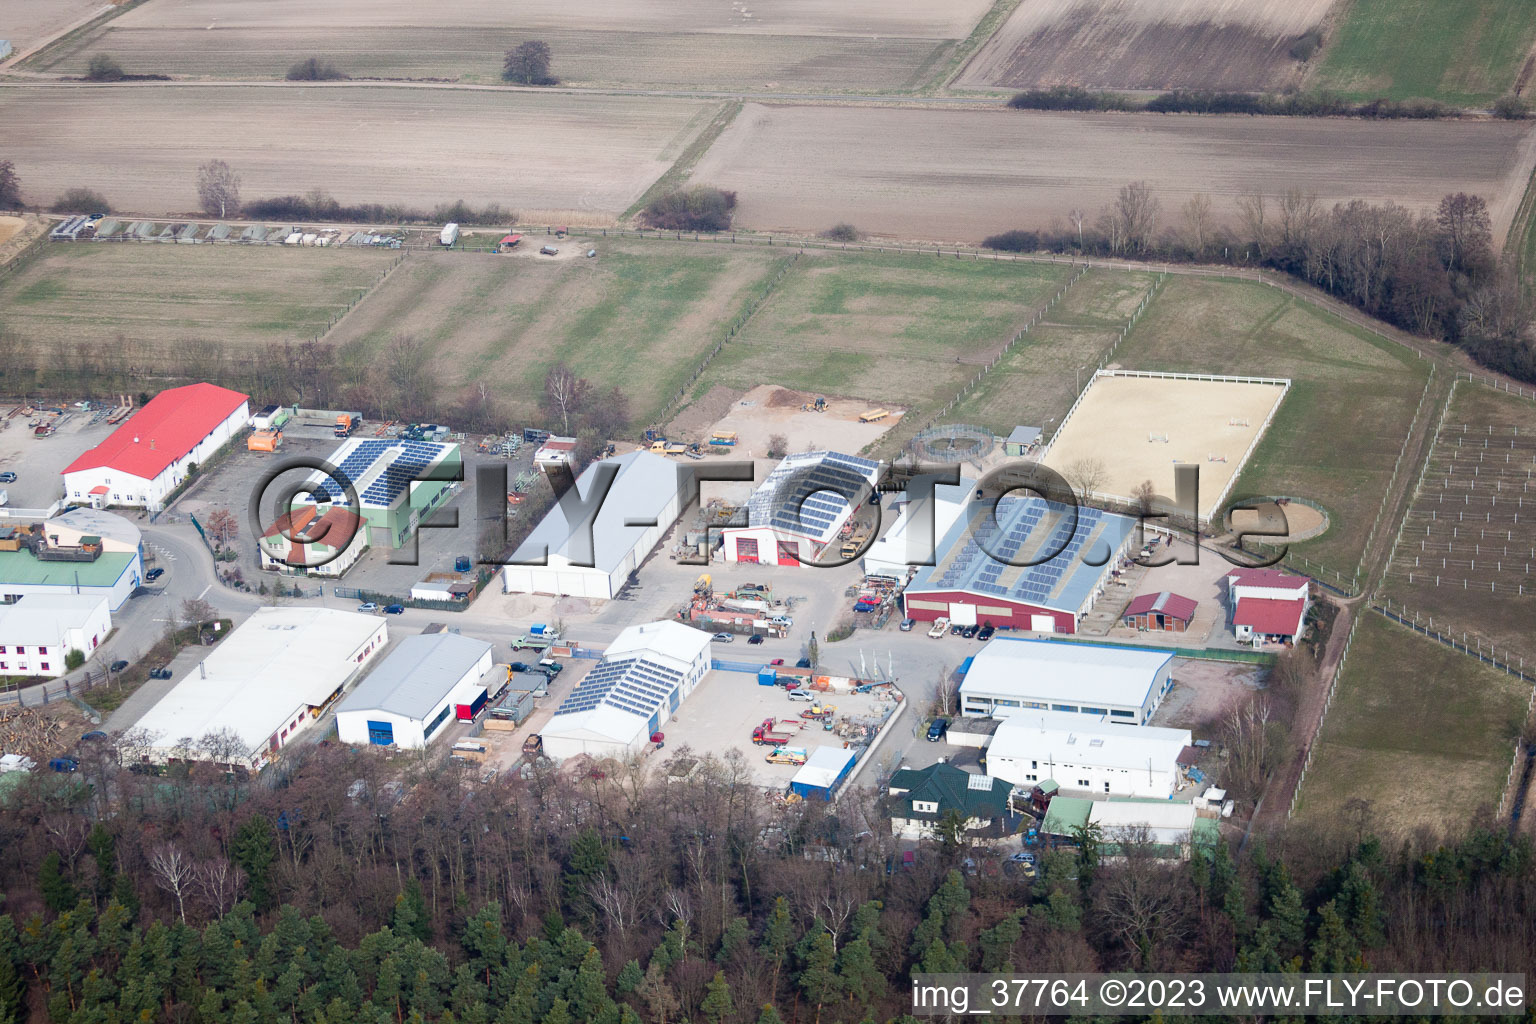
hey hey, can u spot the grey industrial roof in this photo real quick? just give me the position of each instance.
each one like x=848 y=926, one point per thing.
x=644 y=486
x=1024 y=529
x=416 y=675
x=803 y=493
x=1023 y=435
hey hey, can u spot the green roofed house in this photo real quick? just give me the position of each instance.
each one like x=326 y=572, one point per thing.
x=397 y=484
x=923 y=797
x=82 y=552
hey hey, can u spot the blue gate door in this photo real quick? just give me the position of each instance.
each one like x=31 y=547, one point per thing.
x=381 y=734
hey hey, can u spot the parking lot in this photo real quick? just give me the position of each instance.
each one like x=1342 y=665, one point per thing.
x=720 y=715
x=38 y=461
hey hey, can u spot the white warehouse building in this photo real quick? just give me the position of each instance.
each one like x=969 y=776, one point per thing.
x=416 y=690
x=1121 y=684
x=915 y=538
x=644 y=676
x=797 y=513
x=1091 y=755
x=38 y=632
x=582 y=550
x=262 y=685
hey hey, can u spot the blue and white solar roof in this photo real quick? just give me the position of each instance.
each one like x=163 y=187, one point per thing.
x=802 y=495
x=636 y=685
x=1024 y=529
x=380 y=469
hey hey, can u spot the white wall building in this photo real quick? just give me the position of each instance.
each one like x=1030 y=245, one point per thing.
x=1010 y=677
x=117 y=534
x=82 y=552
x=591 y=546
x=799 y=509
x=264 y=683
x=1092 y=755
x=150 y=455
x=1267 y=604
x=39 y=631
x=416 y=690
x=644 y=676
x=914 y=538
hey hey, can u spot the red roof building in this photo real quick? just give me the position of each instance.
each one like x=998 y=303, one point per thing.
x=151 y=454
x=1165 y=611
x=1269 y=618
x=304 y=541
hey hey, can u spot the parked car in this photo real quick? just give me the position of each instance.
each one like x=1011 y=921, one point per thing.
x=160 y=673
x=801 y=695
x=117 y=666
x=519 y=666
x=550 y=668
x=722 y=638
x=777 y=661
x=907 y=624
x=754 y=639
x=957 y=630
x=549 y=250
x=971 y=631
x=64 y=764
x=803 y=663
x=7 y=477
x=937 y=729
x=153 y=575
x=394 y=609
x=367 y=606
x=986 y=632
x=940 y=624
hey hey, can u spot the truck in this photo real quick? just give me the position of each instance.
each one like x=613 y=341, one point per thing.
x=665 y=447
x=702 y=585
x=854 y=542
x=786 y=755
x=449 y=234
x=539 y=637
x=940 y=624
x=775 y=732
x=725 y=438
x=347 y=423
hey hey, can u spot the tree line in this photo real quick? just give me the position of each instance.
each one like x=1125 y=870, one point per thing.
x=1287 y=104
x=335 y=888
x=1434 y=274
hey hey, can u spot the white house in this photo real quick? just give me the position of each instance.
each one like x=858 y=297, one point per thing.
x=150 y=455
x=1092 y=755
x=924 y=797
x=302 y=542
x=39 y=631
x=262 y=685
x=585 y=547
x=1267 y=604
x=1122 y=685
x=799 y=509
x=644 y=676
x=417 y=689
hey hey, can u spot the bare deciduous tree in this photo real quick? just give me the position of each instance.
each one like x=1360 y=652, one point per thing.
x=1198 y=224
x=1136 y=211
x=565 y=392
x=1254 y=210
x=1085 y=475
x=222 y=526
x=218 y=189
x=1076 y=216
x=173 y=872
x=219 y=883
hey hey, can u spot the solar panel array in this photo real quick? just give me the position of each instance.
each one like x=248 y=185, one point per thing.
x=635 y=685
x=809 y=502
x=982 y=561
x=407 y=461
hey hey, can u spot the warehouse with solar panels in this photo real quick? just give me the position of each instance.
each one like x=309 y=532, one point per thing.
x=975 y=578
x=800 y=508
x=644 y=676
x=585 y=548
x=381 y=471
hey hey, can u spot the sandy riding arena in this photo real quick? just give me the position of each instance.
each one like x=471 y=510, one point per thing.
x=1126 y=429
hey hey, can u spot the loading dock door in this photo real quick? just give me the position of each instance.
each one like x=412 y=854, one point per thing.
x=381 y=734
x=789 y=552
x=1043 y=623
x=962 y=614
x=746 y=549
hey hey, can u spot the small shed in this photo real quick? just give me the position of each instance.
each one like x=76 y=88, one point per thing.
x=822 y=773
x=1160 y=611
x=1021 y=441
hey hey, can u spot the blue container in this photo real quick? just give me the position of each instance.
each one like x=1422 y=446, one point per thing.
x=767 y=676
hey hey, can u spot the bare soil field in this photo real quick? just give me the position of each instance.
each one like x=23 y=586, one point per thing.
x=861 y=45
x=29 y=22
x=768 y=409
x=1466 y=558
x=947 y=174
x=638 y=317
x=363 y=143
x=1142 y=428
x=1146 y=44
x=676 y=60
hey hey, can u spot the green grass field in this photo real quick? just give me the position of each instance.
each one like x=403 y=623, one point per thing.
x=1339 y=430
x=1413 y=722
x=897 y=330
x=1465 y=52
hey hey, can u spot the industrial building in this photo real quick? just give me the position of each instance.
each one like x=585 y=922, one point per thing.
x=1174 y=828
x=924 y=797
x=82 y=552
x=154 y=451
x=1160 y=612
x=1015 y=676
x=1267 y=605
x=308 y=543
x=824 y=770
x=425 y=682
x=261 y=686
x=800 y=508
x=1087 y=754
x=912 y=540
x=586 y=548
x=38 y=632
x=983 y=572
x=399 y=483
x=645 y=674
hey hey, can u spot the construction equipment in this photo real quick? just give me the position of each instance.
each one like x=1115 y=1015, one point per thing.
x=820 y=405
x=703 y=585
x=724 y=438
x=819 y=711
x=854 y=542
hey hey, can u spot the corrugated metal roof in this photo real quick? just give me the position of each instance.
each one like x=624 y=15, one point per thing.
x=1060 y=671
x=417 y=675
